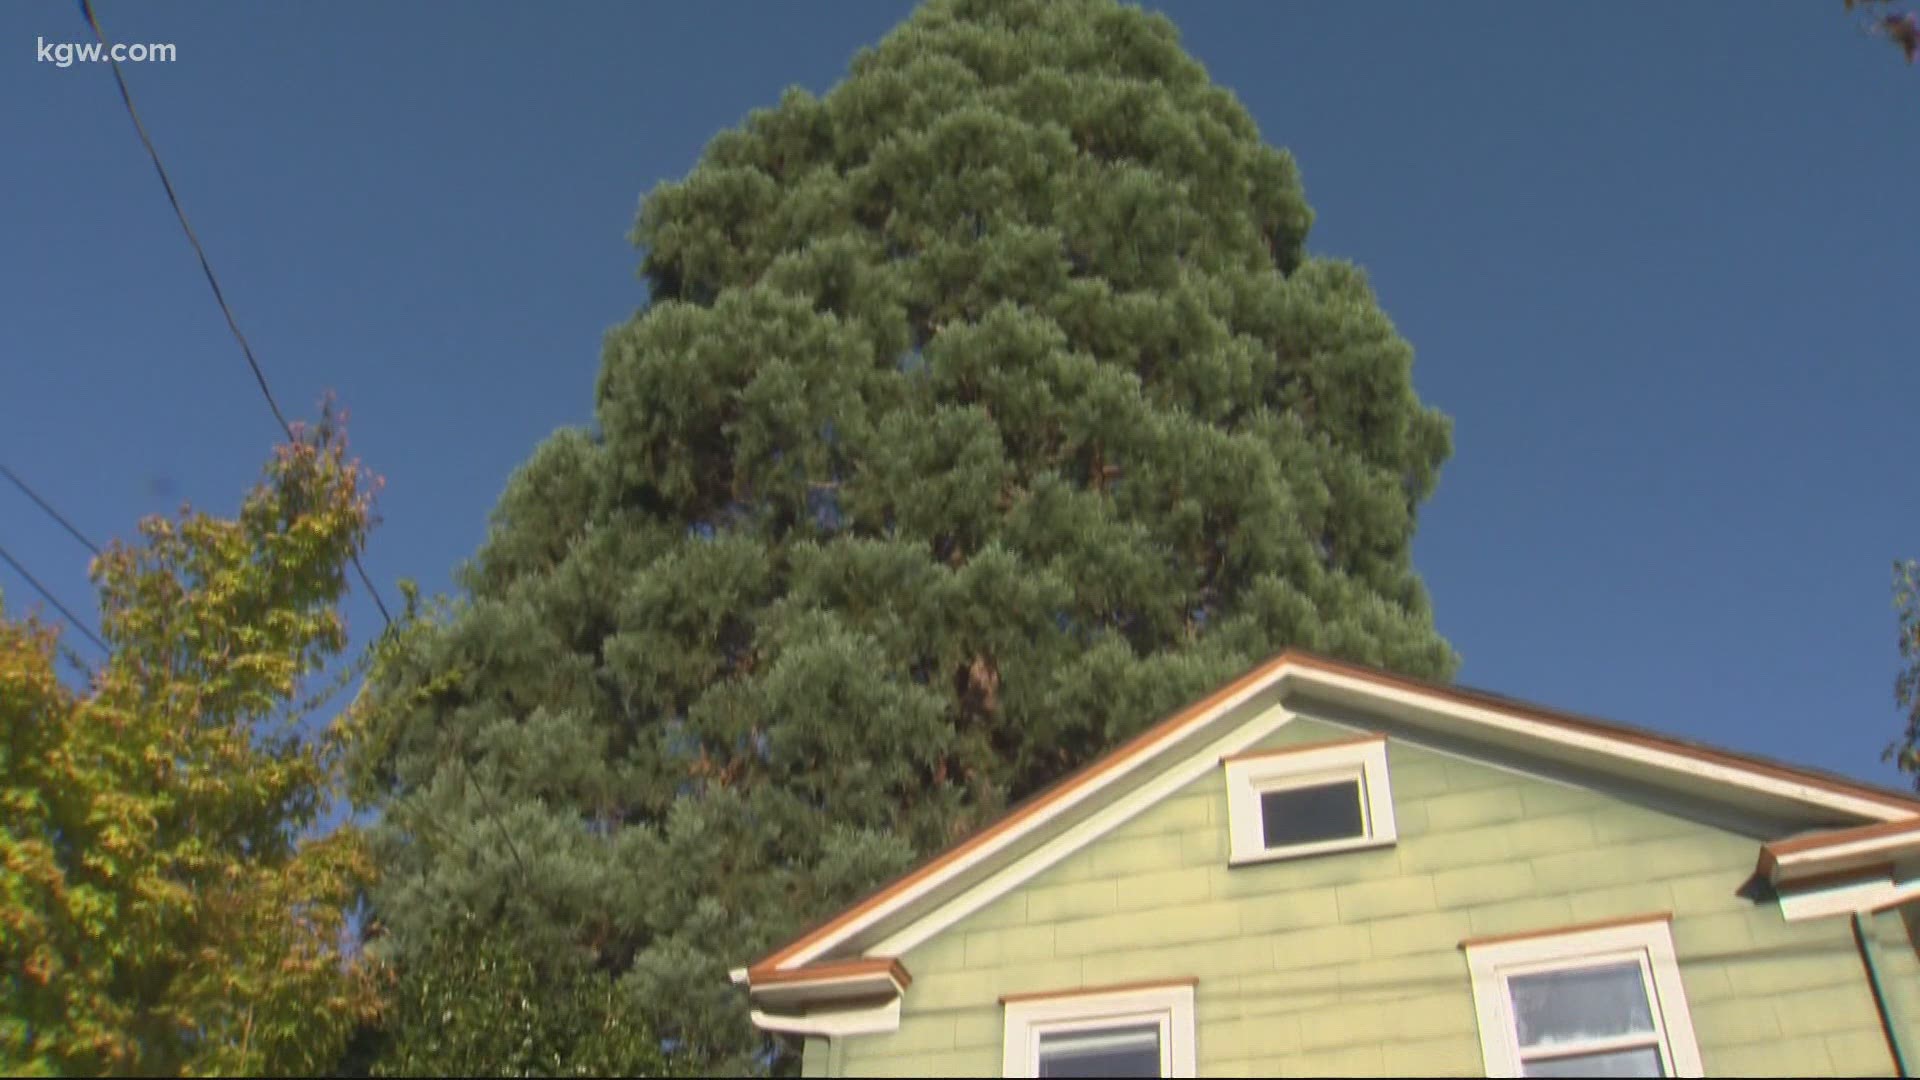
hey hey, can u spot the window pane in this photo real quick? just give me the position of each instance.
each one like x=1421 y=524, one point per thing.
x=1644 y=1061
x=1127 y=1051
x=1307 y=815
x=1584 y=1003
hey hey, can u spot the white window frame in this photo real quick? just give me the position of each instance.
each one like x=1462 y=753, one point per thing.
x=1648 y=942
x=1250 y=776
x=1169 y=1006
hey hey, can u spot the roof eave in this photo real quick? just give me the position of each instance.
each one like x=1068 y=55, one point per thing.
x=1586 y=742
x=1840 y=851
x=840 y=982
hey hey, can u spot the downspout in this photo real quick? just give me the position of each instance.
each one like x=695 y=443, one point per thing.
x=1879 y=994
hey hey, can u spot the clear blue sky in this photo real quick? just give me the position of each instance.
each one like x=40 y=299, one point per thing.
x=1659 y=262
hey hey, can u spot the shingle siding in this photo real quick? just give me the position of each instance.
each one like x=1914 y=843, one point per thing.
x=1349 y=963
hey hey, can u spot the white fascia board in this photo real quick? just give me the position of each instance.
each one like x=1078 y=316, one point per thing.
x=1847 y=855
x=872 y=1020
x=1846 y=898
x=1669 y=762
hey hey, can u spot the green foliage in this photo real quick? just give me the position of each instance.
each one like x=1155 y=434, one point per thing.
x=1906 y=688
x=1885 y=19
x=478 y=1004
x=985 y=409
x=163 y=909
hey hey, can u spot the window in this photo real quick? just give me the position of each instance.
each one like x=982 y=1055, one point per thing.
x=1309 y=800
x=1123 y=1031
x=1312 y=814
x=1604 y=1001
x=1103 y=1051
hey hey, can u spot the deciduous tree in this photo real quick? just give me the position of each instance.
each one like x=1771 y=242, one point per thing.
x=1901 y=27
x=165 y=907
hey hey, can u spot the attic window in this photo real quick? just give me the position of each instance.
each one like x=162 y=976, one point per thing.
x=1312 y=814
x=1309 y=800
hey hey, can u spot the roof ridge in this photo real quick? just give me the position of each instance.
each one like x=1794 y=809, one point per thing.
x=1603 y=726
x=1265 y=674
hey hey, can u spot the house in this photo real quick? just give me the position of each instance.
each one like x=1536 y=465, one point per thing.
x=1323 y=869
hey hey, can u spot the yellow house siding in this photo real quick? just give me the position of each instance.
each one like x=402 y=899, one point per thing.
x=813 y=1057
x=1348 y=963
x=1890 y=935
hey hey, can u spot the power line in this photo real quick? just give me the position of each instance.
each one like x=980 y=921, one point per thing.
x=1321 y=984
x=72 y=530
x=206 y=267
x=48 y=596
x=259 y=376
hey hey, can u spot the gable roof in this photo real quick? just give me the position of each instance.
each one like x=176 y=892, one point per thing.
x=1581 y=742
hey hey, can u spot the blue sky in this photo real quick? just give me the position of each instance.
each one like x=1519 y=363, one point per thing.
x=1659 y=262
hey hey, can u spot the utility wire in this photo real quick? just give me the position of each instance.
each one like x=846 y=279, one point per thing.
x=259 y=376
x=72 y=530
x=206 y=267
x=48 y=596
x=1322 y=984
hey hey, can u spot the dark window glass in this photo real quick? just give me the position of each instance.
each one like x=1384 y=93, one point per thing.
x=1309 y=815
x=1127 y=1051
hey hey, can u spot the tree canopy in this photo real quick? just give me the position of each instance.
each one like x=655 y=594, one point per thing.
x=1885 y=19
x=478 y=1004
x=984 y=409
x=1904 y=752
x=165 y=908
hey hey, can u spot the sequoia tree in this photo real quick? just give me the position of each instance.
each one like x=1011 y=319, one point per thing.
x=982 y=411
